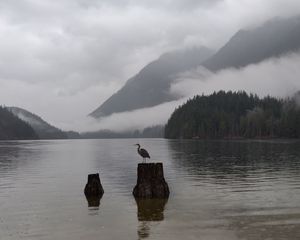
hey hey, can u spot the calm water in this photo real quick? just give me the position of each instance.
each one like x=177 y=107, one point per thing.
x=219 y=190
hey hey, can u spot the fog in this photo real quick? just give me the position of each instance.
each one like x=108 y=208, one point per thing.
x=278 y=77
x=126 y=121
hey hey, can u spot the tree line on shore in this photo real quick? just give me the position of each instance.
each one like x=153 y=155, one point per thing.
x=219 y=115
x=235 y=115
x=14 y=127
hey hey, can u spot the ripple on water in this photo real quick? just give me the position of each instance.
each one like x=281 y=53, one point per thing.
x=219 y=190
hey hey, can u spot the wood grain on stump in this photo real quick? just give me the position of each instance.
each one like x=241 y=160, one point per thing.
x=150 y=181
x=93 y=188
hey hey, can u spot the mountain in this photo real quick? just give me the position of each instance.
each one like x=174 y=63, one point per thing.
x=151 y=85
x=43 y=129
x=13 y=128
x=274 y=38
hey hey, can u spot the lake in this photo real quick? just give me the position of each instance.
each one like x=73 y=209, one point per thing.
x=219 y=190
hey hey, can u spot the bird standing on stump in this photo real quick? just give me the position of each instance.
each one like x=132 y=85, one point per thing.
x=143 y=152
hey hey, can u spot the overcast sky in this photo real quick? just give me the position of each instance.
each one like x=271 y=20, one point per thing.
x=62 y=59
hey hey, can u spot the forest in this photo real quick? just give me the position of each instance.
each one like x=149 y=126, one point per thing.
x=235 y=115
x=13 y=128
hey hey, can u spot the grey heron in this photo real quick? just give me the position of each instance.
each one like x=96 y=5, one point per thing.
x=143 y=152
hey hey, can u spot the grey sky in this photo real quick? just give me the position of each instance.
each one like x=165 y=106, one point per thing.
x=61 y=59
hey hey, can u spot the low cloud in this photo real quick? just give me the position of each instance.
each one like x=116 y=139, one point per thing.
x=133 y=120
x=277 y=77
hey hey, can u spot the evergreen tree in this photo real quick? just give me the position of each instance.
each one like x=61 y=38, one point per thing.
x=235 y=114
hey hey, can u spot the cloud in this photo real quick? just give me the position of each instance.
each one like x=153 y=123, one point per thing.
x=276 y=77
x=62 y=59
x=137 y=119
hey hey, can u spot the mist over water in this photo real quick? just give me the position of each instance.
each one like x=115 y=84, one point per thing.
x=219 y=190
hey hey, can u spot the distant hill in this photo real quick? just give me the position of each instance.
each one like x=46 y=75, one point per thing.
x=272 y=39
x=235 y=115
x=13 y=128
x=43 y=129
x=151 y=85
x=150 y=132
x=72 y=135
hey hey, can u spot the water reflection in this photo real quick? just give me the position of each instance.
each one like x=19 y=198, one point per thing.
x=143 y=230
x=118 y=158
x=149 y=210
x=16 y=156
x=220 y=190
x=236 y=160
x=253 y=185
x=268 y=224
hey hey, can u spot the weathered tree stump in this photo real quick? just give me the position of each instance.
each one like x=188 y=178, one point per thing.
x=151 y=182
x=93 y=201
x=93 y=188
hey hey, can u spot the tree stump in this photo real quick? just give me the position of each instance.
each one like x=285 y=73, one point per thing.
x=150 y=181
x=93 y=188
x=93 y=201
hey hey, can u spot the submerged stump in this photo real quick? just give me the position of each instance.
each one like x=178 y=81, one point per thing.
x=93 y=188
x=151 y=182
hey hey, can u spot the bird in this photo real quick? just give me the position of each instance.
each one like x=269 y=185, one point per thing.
x=143 y=152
